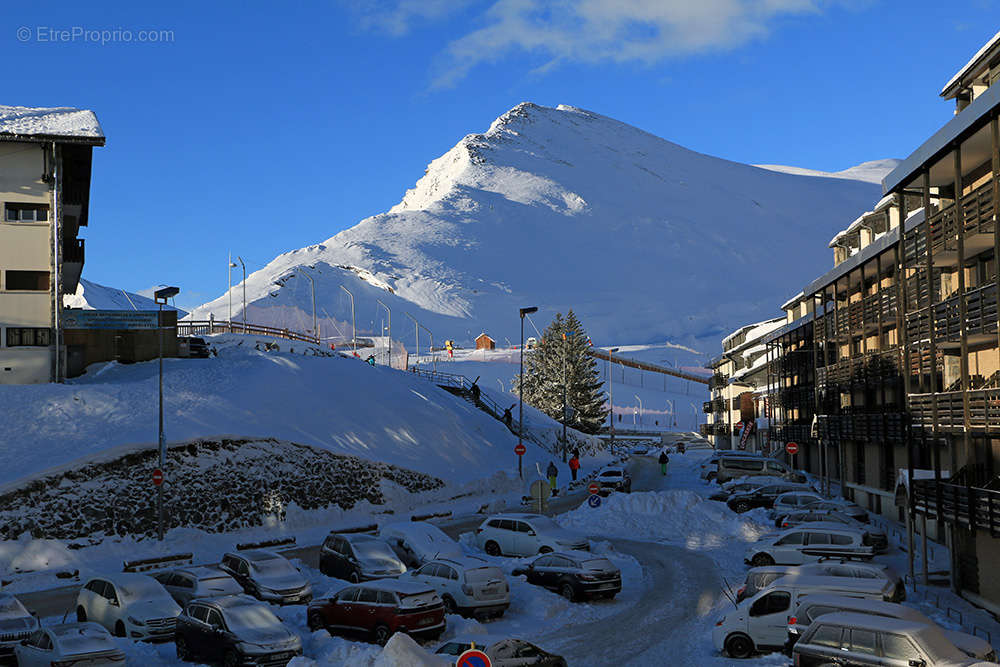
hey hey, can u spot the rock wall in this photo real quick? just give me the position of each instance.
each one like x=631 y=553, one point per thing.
x=217 y=485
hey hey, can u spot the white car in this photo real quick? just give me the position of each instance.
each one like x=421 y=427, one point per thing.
x=189 y=583
x=526 y=535
x=808 y=543
x=16 y=623
x=418 y=542
x=467 y=585
x=759 y=578
x=69 y=644
x=795 y=501
x=129 y=605
x=614 y=478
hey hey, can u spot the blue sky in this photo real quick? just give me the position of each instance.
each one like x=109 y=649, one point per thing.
x=258 y=127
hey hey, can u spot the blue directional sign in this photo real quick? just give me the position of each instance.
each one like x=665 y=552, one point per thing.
x=594 y=501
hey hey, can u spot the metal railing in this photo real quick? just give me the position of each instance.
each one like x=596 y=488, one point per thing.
x=970 y=506
x=464 y=385
x=208 y=327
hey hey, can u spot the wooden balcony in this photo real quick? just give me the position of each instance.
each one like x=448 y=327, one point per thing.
x=968 y=506
x=977 y=210
x=984 y=410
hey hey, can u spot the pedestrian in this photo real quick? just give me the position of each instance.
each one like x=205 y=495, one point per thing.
x=664 y=459
x=475 y=393
x=552 y=471
x=507 y=418
x=574 y=463
x=371 y=360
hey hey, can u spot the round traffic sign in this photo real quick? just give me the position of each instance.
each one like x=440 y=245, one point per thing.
x=594 y=501
x=473 y=658
x=792 y=448
x=520 y=449
x=157 y=477
x=594 y=488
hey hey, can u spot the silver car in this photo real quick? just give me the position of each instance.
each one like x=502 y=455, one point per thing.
x=70 y=644
x=189 y=583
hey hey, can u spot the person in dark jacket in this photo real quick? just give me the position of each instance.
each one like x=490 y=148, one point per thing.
x=664 y=459
x=552 y=471
x=507 y=418
x=475 y=393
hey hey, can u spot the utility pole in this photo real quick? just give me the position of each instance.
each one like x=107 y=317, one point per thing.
x=611 y=394
x=161 y=295
x=390 y=329
x=640 y=408
x=520 y=391
x=244 y=293
x=416 y=329
x=354 y=326
x=229 y=276
x=433 y=354
x=312 y=285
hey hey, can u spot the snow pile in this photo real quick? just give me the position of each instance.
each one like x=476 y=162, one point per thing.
x=91 y=296
x=47 y=122
x=28 y=555
x=400 y=651
x=562 y=207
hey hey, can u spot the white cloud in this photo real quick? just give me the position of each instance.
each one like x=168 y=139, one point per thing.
x=593 y=31
x=398 y=18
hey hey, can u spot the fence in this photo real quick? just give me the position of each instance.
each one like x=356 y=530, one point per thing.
x=463 y=385
x=207 y=327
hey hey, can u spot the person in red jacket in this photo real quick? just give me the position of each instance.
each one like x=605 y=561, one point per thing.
x=574 y=463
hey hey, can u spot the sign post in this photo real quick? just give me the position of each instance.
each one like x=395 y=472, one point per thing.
x=473 y=658
x=593 y=488
x=793 y=448
x=520 y=449
x=157 y=477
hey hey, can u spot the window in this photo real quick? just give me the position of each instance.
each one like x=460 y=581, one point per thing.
x=198 y=613
x=522 y=527
x=447 y=573
x=182 y=581
x=545 y=561
x=349 y=595
x=242 y=568
x=843 y=540
x=790 y=539
x=863 y=641
x=508 y=524
x=26 y=212
x=495 y=523
x=771 y=603
x=826 y=635
x=386 y=597
x=45 y=642
x=214 y=619
x=816 y=611
x=818 y=538
x=898 y=647
x=27 y=281
x=28 y=337
x=368 y=596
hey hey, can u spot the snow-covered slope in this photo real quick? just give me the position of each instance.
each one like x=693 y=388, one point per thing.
x=560 y=207
x=91 y=296
x=872 y=171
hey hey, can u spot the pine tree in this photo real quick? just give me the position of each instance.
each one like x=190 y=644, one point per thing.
x=562 y=362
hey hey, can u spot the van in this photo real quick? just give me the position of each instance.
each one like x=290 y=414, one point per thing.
x=808 y=543
x=759 y=578
x=814 y=606
x=761 y=622
x=744 y=466
x=844 y=638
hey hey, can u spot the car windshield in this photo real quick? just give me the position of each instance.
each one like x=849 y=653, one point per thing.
x=250 y=617
x=142 y=589
x=372 y=549
x=544 y=523
x=83 y=639
x=483 y=574
x=220 y=585
x=598 y=564
x=273 y=566
x=611 y=473
x=418 y=600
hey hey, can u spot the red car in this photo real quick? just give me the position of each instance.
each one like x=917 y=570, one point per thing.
x=379 y=609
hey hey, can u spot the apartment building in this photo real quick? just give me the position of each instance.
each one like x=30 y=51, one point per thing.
x=887 y=370
x=45 y=168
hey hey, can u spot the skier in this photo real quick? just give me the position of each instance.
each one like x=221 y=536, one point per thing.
x=552 y=471
x=574 y=463
x=664 y=459
x=371 y=360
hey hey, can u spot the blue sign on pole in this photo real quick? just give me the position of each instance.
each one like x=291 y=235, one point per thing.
x=473 y=658
x=594 y=501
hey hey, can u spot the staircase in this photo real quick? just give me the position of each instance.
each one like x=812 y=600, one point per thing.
x=461 y=386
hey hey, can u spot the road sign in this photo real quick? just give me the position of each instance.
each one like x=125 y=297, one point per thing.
x=473 y=658
x=157 y=477
x=594 y=501
x=792 y=448
x=594 y=488
x=520 y=449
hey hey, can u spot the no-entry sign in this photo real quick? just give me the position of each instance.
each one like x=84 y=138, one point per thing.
x=520 y=449
x=792 y=448
x=157 y=477
x=473 y=658
x=594 y=488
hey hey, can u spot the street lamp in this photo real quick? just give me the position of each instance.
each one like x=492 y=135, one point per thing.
x=673 y=416
x=640 y=408
x=161 y=295
x=565 y=415
x=390 y=329
x=229 y=275
x=244 y=293
x=611 y=394
x=520 y=391
x=354 y=326
x=312 y=285
x=416 y=330
x=694 y=409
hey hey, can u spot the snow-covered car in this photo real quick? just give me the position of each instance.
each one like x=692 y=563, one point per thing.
x=879 y=539
x=418 y=542
x=760 y=622
x=759 y=578
x=526 y=535
x=709 y=468
x=856 y=512
x=189 y=583
x=16 y=623
x=813 y=606
x=763 y=496
x=467 y=585
x=234 y=630
x=574 y=575
x=267 y=576
x=358 y=557
x=804 y=544
x=502 y=651
x=845 y=638
x=796 y=501
x=128 y=605
x=732 y=466
x=378 y=609
x=750 y=484
x=614 y=478
x=76 y=644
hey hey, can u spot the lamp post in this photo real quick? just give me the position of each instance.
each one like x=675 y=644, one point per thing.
x=565 y=415
x=416 y=330
x=312 y=286
x=354 y=326
x=244 y=293
x=520 y=391
x=390 y=329
x=640 y=408
x=229 y=272
x=611 y=394
x=673 y=417
x=694 y=409
x=161 y=295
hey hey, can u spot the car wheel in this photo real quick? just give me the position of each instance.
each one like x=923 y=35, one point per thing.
x=545 y=550
x=449 y=604
x=381 y=634
x=81 y=614
x=739 y=646
x=231 y=659
x=492 y=548
x=183 y=652
x=741 y=506
x=119 y=629
x=762 y=560
x=568 y=592
x=315 y=621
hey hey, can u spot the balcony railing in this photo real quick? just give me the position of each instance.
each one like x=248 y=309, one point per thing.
x=969 y=506
x=73 y=251
x=984 y=409
x=883 y=426
x=716 y=381
x=977 y=210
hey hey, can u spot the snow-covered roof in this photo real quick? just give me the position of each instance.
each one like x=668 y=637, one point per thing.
x=765 y=326
x=791 y=302
x=969 y=66
x=30 y=123
x=884 y=203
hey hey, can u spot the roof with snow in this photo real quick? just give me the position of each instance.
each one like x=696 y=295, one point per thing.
x=950 y=88
x=50 y=124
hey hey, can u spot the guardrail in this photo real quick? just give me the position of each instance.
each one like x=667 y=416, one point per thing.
x=208 y=327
